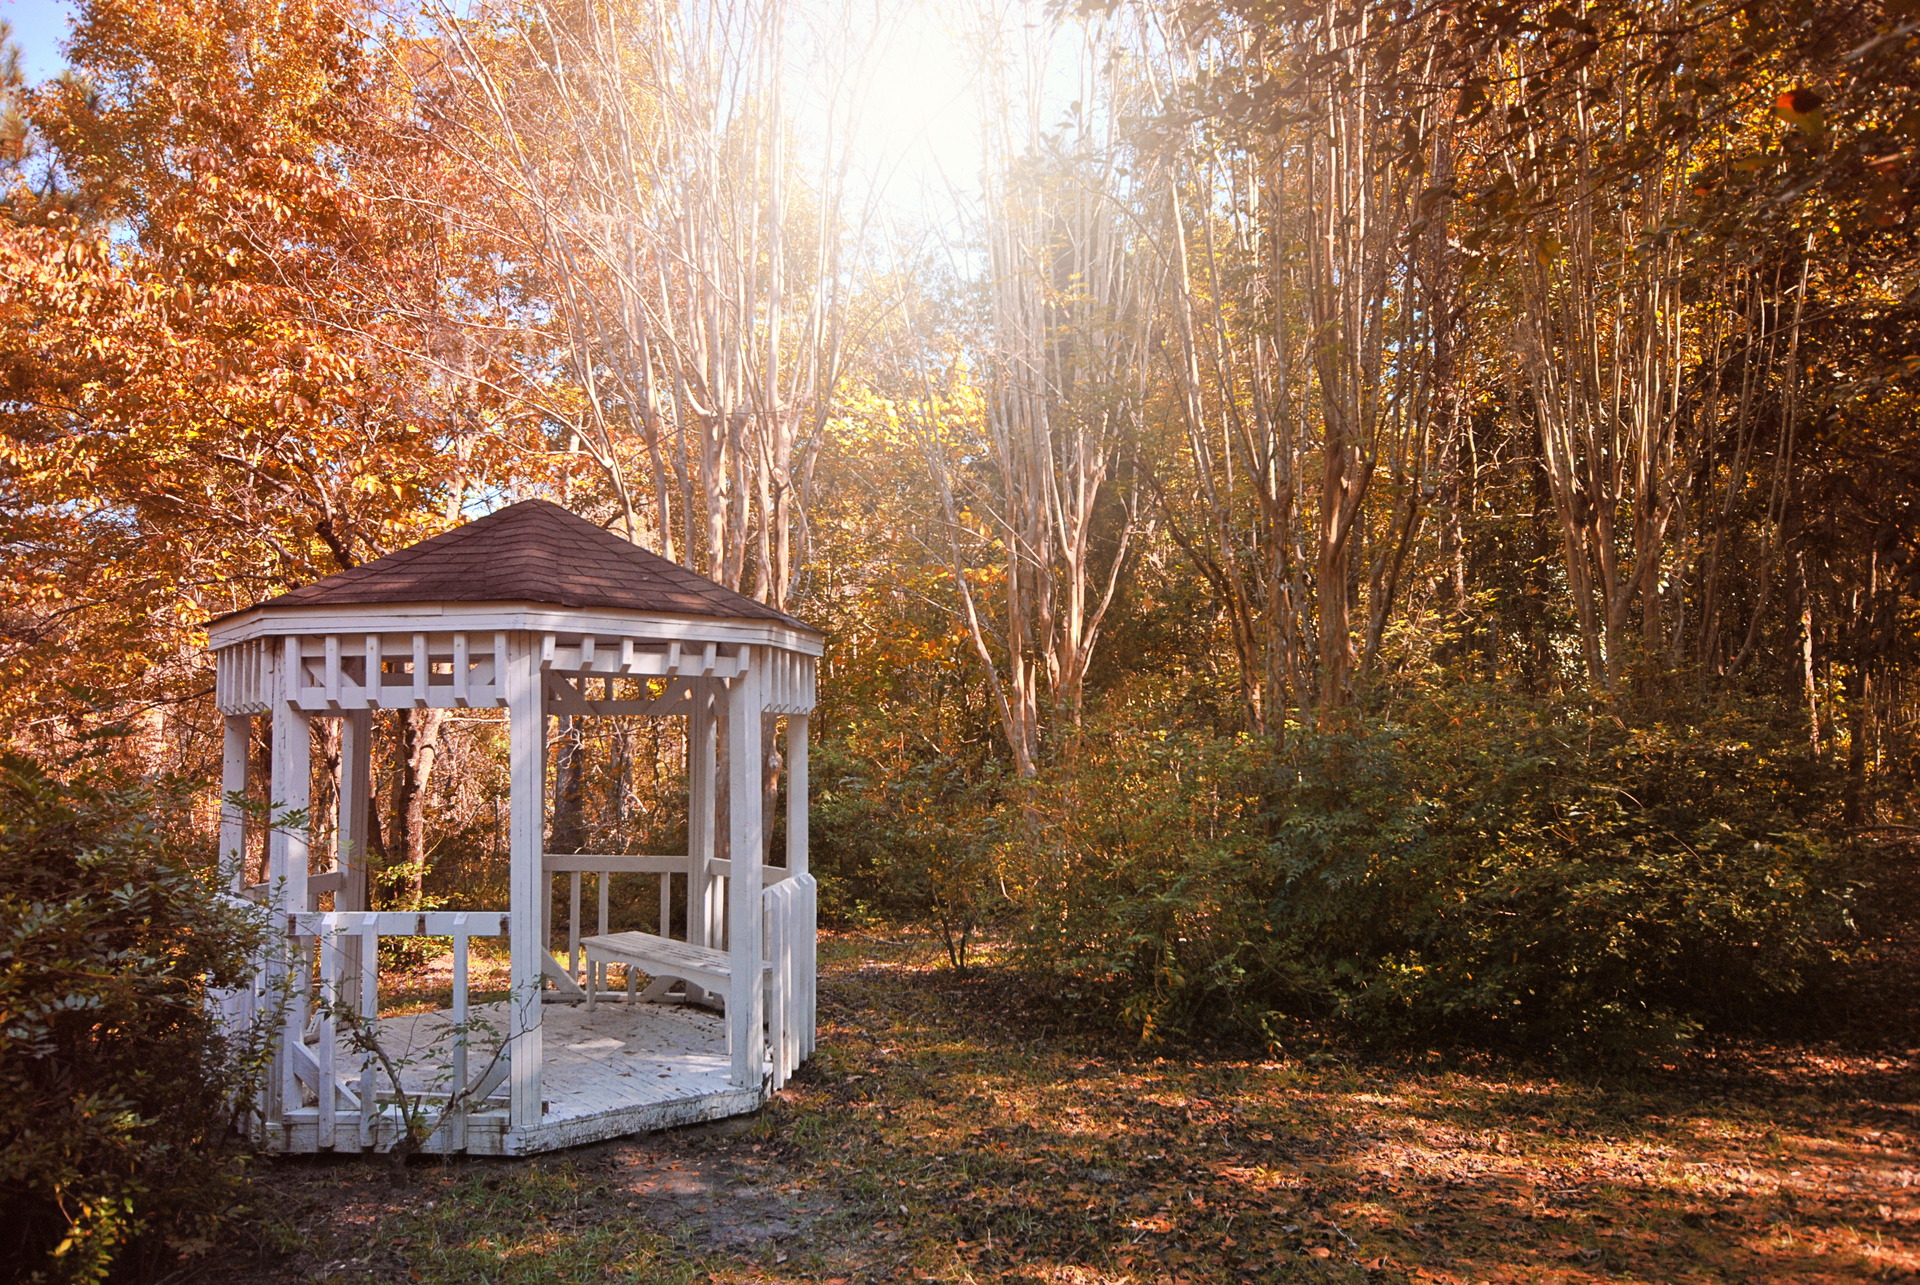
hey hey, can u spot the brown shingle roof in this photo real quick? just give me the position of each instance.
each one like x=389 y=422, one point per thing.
x=533 y=552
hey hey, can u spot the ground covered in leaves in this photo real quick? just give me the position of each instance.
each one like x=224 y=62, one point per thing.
x=950 y=1129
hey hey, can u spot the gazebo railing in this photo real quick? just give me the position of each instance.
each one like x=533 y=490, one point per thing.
x=789 y=915
x=341 y=1068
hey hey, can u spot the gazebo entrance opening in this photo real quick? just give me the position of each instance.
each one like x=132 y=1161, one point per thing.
x=539 y=613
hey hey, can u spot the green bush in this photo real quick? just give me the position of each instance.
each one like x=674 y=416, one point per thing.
x=1554 y=879
x=921 y=838
x=117 y=1090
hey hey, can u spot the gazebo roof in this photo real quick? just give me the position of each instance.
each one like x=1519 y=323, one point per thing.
x=531 y=552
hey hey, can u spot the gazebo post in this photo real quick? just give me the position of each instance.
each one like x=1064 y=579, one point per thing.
x=233 y=787
x=744 y=844
x=287 y=847
x=701 y=769
x=797 y=868
x=353 y=806
x=527 y=934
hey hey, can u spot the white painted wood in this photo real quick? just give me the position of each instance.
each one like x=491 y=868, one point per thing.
x=334 y=881
x=422 y=671
x=573 y=922
x=617 y=863
x=461 y=1033
x=806 y=956
x=744 y=790
x=611 y=1073
x=374 y=682
x=332 y=968
x=367 y=1081
x=233 y=788
x=702 y=768
x=603 y=884
x=355 y=685
x=287 y=860
x=294 y=664
x=662 y=957
x=527 y=876
x=480 y=618
x=287 y=848
x=401 y=923
x=331 y=682
x=241 y=677
x=773 y=926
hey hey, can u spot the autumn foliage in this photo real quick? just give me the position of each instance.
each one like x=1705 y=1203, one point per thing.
x=1386 y=520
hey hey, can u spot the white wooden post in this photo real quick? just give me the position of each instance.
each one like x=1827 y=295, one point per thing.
x=701 y=770
x=745 y=789
x=369 y=988
x=458 y=1140
x=330 y=978
x=573 y=924
x=292 y=769
x=528 y=881
x=233 y=781
x=805 y=958
x=287 y=854
x=603 y=885
x=350 y=836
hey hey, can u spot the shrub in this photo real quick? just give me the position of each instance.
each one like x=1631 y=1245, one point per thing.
x=919 y=838
x=1549 y=878
x=117 y=1139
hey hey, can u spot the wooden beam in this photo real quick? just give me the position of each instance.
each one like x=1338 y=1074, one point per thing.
x=620 y=864
x=287 y=855
x=745 y=789
x=421 y=671
x=233 y=787
x=527 y=879
x=402 y=923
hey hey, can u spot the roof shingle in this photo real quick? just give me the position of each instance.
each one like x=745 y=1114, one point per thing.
x=533 y=552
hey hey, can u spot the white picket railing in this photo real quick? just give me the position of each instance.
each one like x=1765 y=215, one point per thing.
x=789 y=914
x=788 y=911
x=348 y=1082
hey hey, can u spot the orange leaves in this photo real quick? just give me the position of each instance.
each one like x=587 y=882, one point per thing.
x=1801 y=109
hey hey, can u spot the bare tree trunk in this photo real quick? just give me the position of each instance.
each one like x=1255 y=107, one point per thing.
x=418 y=746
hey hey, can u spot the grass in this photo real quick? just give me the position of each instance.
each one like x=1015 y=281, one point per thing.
x=953 y=1128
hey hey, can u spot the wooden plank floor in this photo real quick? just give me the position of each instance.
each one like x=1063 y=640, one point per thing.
x=615 y=1071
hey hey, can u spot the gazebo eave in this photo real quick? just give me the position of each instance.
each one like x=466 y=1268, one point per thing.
x=488 y=617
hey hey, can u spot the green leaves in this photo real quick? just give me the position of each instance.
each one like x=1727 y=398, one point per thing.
x=1534 y=876
x=116 y=1090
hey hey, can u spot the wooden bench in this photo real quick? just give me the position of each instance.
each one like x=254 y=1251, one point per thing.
x=661 y=958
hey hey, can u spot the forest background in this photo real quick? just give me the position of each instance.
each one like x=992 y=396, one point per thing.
x=1400 y=516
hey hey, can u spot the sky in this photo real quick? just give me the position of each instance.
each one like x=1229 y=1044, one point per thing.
x=919 y=129
x=38 y=28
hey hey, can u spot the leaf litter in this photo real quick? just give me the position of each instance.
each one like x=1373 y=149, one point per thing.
x=956 y=1128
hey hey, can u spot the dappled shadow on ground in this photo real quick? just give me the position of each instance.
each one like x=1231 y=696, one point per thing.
x=954 y=1128
x=1053 y=1158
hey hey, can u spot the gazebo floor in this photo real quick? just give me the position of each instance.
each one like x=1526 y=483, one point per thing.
x=620 y=1069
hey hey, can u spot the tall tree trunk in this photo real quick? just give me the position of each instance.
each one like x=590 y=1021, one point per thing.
x=417 y=748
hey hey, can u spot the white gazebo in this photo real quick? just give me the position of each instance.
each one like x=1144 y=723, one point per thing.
x=538 y=612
